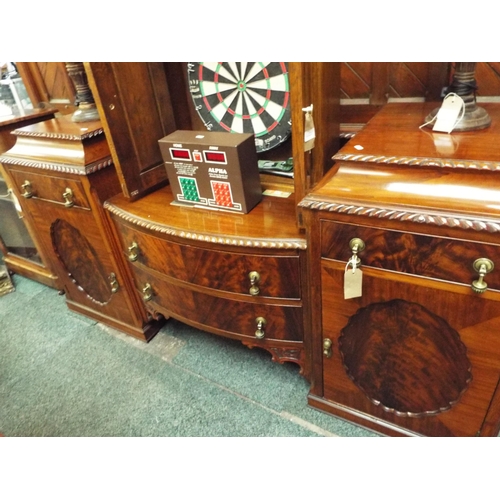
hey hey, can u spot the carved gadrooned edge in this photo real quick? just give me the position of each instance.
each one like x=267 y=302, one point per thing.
x=55 y=135
x=422 y=218
x=419 y=162
x=207 y=238
x=58 y=167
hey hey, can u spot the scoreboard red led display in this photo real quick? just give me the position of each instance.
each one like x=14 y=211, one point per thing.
x=215 y=170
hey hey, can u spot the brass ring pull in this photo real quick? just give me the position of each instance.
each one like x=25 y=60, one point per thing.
x=68 y=198
x=327 y=348
x=133 y=252
x=27 y=189
x=254 y=277
x=113 y=282
x=261 y=323
x=483 y=266
x=147 y=292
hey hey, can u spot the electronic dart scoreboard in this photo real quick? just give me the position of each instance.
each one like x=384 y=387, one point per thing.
x=213 y=170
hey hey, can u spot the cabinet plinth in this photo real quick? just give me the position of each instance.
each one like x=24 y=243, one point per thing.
x=418 y=352
x=62 y=172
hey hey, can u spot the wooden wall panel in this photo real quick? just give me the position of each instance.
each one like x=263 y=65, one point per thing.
x=48 y=85
x=488 y=79
x=355 y=80
x=374 y=80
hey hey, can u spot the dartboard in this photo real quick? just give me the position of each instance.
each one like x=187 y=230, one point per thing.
x=243 y=97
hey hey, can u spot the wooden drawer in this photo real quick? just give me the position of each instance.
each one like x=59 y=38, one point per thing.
x=410 y=253
x=279 y=276
x=218 y=313
x=50 y=188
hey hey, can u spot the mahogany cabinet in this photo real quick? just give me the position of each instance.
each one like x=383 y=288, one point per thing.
x=416 y=351
x=61 y=173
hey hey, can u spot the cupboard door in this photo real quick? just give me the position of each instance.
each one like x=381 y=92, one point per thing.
x=136 y=111
x=86 y=269
x=411 y=354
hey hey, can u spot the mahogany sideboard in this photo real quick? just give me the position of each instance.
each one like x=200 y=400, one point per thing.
x=417 y=350
x=236 y=275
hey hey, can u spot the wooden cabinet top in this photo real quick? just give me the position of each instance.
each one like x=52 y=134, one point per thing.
x=61 y=128
x=20 y=118
x=394 y=136
x=404 y=175
x=271 y=224
x=60 y=145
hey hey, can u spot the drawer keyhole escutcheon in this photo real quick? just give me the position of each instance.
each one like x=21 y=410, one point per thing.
x=254 y=277
x=27 y=189
x=147 y=292
x=483 y=266
x=261 y=323
x=68 y=198
x=356 y=245
x=327 y=348
x=113 y=282
x=133 y=252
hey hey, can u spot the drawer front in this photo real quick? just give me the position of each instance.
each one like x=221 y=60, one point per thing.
x=277 y=276
x=416 y=254
x=48 y=187
x=238 y=318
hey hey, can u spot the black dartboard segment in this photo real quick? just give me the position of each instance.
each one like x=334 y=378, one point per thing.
x=243 y=97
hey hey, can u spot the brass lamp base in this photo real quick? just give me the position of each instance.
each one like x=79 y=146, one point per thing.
x=464 y=85
x=475 y=119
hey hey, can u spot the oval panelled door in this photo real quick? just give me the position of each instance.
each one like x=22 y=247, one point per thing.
x=80 y=261
x=405 y=358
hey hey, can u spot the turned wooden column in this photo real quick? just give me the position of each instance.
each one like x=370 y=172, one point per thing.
x=87 y=110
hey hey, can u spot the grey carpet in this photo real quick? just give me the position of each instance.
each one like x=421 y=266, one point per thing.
x=62 y=374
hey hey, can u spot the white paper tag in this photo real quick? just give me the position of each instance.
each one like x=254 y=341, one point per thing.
x=353 y=283
x=17 y=205
x=309 y=132
x=449 y=113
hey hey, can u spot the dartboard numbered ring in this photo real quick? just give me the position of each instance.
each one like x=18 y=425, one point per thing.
x=243 y=97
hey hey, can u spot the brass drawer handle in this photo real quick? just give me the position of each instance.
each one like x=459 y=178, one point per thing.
x=68 y=198
x=261 y=323
x=147 y=292
x=327 y=348
x=356 y=245
x=483 y=266
x=27 y=189
x=133 y=252
x=113 y=282
x=254 y=277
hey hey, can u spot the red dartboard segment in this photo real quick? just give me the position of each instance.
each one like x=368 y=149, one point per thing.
x=245 y=97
